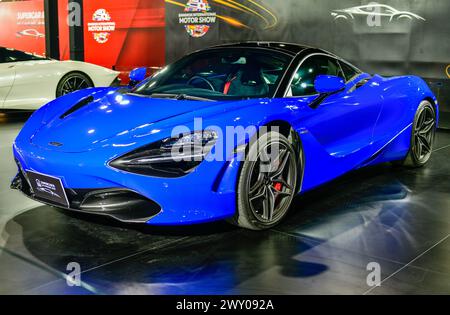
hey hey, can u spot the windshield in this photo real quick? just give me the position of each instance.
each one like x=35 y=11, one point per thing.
x=226 y=73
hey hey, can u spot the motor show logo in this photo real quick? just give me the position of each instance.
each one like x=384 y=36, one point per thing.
x=101 y=26
x=197 y=17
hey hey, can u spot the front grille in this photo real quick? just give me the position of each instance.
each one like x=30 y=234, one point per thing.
x=121 y=204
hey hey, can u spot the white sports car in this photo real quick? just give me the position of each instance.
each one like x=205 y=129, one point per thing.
x=28 y=81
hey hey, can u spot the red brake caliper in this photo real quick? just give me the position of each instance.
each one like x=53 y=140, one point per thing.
x=278 y=186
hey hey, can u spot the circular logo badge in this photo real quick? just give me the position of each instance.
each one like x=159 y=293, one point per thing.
x=101 y=26
x=197 y=17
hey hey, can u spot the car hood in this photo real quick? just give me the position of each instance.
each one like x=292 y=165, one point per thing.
x=106 y=117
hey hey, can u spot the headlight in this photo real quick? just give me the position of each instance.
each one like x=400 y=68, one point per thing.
x=170 y=157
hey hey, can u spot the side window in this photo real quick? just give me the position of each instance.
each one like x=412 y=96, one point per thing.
x=12 y=55
x=303 y=82
x=349 y=71
x=2 y=55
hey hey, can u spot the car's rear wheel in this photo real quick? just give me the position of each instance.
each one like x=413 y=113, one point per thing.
x=422 y=137
x=267 y=182
x=72 y=82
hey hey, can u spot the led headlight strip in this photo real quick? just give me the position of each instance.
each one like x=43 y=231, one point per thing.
x=170 y=157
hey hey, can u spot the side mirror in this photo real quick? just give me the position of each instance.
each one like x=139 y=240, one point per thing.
x=326 y=84
x=137 y=75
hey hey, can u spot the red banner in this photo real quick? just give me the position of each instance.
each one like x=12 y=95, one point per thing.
x=22 y=26
x=119 y=34
x=124 y=34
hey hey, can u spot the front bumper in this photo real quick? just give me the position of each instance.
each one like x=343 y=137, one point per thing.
x=120 y=204
x=92 y=186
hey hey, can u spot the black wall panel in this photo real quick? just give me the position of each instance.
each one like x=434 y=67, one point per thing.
x=400 y=46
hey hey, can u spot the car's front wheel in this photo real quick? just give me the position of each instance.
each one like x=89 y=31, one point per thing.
x=267 y=182
x=422 y=136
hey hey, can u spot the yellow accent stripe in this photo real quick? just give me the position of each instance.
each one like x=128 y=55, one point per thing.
x=251 y=11
x=225 y=3
x=232 y=21
x=175 y=3
x=275 y=18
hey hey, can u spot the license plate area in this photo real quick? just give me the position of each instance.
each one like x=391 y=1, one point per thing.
x=48 y=188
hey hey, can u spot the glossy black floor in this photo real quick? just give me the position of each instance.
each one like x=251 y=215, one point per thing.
x=398 y=218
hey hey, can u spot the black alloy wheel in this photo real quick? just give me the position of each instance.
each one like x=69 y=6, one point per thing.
x=73 y=82
x=267 y=182
x=422 y=136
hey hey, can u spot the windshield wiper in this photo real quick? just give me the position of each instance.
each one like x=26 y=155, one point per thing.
x=181 y=97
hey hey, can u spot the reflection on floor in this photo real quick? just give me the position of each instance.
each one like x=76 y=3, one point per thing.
x=397 y=218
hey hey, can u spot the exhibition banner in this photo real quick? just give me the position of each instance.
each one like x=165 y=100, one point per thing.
x=22 y=26
x=388 y=37
x=124 y=34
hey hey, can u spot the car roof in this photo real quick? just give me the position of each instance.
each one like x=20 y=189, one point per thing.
x=289 y=48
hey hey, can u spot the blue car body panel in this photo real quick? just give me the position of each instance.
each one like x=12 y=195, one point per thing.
x=350 y=129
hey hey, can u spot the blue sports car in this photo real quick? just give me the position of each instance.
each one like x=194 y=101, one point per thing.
x=231 y=132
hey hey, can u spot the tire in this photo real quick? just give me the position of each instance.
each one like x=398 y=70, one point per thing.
x=72 y=82
x=275 y=185
x=422 y=137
